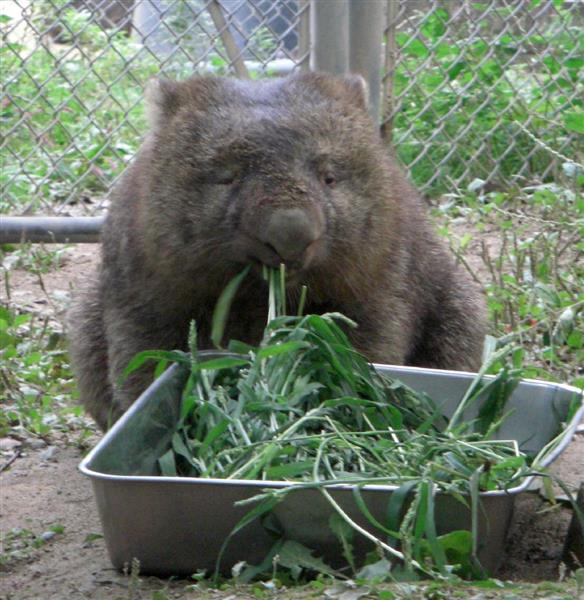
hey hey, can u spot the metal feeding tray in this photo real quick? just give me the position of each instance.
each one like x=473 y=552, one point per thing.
x=177 y=525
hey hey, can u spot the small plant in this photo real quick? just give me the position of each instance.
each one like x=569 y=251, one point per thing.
x=35 y=258
x=20 y=544
x=533 y=272
x=35 y=379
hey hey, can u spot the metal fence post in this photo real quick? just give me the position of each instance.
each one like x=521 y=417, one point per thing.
x=330 y=36
x=389 y=71
x=365 y=37
x=304 y=34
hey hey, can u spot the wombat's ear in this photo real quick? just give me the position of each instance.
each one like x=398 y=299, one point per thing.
x=350 y=89
x=162 y=100
x=358 y=90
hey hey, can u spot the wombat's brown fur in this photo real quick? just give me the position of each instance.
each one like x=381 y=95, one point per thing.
x=288 y=170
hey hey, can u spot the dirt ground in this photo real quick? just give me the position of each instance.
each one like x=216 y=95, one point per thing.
x=41 y=491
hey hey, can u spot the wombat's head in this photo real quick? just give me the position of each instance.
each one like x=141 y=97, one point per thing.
x=289 y=170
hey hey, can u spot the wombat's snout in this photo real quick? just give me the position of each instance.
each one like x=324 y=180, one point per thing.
x=290 y=236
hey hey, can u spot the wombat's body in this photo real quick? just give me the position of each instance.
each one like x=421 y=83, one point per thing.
x=287 y=171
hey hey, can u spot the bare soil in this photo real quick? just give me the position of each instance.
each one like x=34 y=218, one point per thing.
x=41 y=489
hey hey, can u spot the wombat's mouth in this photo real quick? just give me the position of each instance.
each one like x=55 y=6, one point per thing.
x=294 y=277
x=261 y=254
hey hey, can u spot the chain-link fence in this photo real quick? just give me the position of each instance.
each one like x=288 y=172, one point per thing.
x=486 y=93
x=476 y=94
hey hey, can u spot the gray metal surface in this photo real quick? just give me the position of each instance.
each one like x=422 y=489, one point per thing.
x=70 y=230
x=178 y=525
x=330 y=48
x=365 y=40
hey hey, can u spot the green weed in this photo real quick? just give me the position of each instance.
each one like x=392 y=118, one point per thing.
x=35 y=258
x=531 y=245
x=36 y=384
x=20 y=544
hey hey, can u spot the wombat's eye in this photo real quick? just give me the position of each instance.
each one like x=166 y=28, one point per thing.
x=329 y=179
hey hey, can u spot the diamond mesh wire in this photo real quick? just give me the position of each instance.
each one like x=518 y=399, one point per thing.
x=488 y=91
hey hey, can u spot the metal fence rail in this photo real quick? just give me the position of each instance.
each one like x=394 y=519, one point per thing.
x=481 y=94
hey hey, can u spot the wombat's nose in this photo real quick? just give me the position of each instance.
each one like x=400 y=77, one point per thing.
x=289 y=232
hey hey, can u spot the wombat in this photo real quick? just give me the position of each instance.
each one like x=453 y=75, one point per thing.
x=288 y=170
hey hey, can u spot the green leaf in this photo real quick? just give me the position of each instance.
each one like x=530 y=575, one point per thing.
x=160 y=368
x=430 y=530
x=397 y=504
x=293 y=554
x=457 y=67
x=574 y=63
x=457 y=546
x=238 y=347
x=459 y=542
x=164 y=355
x=434 y=25
x=213 y=434
x=216 y=364
x=576 y=339
x=21 y=319
x=187 y=405
x=281 y=348
x=180 y=448
x=574 y=121
x=263 y=461
x=223 y=306
x=416 y=48
x=345 y=534
x=289 y=470
x=369 y=516
x=167 y=464
x=493 y=406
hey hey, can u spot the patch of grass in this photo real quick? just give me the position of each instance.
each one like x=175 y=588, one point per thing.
x=530 y=251
x=36 y=384
x=36 y=258
x=20 y=544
